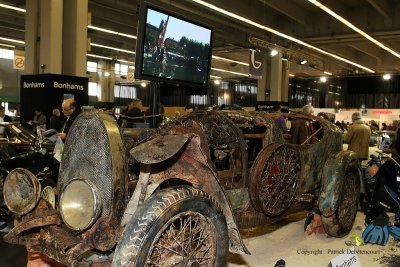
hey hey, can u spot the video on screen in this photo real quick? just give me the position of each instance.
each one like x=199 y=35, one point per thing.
x=175 y=49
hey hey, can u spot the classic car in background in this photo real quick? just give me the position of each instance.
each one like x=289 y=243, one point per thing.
x=154 y=197
x=20 y=148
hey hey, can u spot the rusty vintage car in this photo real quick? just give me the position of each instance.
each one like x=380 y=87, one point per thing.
x=131 y=197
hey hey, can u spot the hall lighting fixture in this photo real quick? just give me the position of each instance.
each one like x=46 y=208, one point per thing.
x=386 y=77
x=291 y=75
x=285 y=58
x=215 y=77
x=303 y=61
x=327 y=73
x=217 y=82
x=96 y=56
x=255 y=24
x=13 y=7
x=230 y=60
x=143 y=84
x=274 y=52
x=12 y=40
x=112 y=48
x=322 y=79
x=111 y=31
x=7 y=45
x=107 y=74
x=228 y=71
x=351 y=26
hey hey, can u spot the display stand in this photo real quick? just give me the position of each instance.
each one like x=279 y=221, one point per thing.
x=155 y=104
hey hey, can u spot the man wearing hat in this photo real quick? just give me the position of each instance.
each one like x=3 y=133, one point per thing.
x=358 y=137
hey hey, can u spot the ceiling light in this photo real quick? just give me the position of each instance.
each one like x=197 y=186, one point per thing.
x=230 y=60
x=291 y=75
x=285 y=58
x=250 y=22
x=322 y=79
x=107 y=74
x=7 y=45
x=143 y=84
x=112 y=48
x=327 y=73
x=274 y=52
x=233 y=72
x=110 y=31
x=386 y=77
x=13 y=7
x=217 y=82
x=303 y=61
x=12 y=40
x=215 y=77
x=96 y=56
x=351 y=26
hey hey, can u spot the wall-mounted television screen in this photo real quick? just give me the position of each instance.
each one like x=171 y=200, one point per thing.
x=172 y=49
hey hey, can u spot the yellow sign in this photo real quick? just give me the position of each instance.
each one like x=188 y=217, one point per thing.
x=19 y=62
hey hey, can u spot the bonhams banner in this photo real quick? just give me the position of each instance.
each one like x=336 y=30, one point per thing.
x=255 y=66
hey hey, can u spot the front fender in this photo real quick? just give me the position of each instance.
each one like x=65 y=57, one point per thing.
x=192 y=165
x=333 y=176
x=159 y=149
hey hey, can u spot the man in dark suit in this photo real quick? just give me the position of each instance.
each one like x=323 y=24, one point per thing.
x=70 y=111
x=3 y=118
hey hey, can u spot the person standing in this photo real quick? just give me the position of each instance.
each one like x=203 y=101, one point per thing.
x=56 y=122
x=39 y=119
x=3 y=118
x=278 y=118
x=301 y=129
x=358 y=137
x=70 y=111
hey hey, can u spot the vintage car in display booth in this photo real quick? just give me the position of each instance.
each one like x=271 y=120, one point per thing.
x=154 y=197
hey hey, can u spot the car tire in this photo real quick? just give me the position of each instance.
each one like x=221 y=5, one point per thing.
x=179 y=225
x=341 y=221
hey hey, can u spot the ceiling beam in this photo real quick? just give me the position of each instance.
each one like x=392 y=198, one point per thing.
x=383 y=7
x=292 y=11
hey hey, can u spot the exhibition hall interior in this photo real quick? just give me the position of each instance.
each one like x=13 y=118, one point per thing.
x=258 y=133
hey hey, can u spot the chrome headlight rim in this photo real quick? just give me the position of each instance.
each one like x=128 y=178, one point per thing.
x=96 y=204
x=13 y=185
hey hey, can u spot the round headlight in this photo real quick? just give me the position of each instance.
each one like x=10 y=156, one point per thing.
x=79 y=204
x=21 y=191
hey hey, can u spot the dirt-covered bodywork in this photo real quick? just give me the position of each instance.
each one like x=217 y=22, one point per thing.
x=177 y=195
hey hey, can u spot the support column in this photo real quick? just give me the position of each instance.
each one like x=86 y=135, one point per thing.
x=274 y=85
x=263 y=89
x=75 y=37
x=275 y=79
x=43 y=36
x=105 y=84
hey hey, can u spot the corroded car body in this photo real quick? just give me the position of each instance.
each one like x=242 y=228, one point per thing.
x=155 y=198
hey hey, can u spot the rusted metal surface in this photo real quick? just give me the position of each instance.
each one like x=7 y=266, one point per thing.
x=284 y=178
x=192 y=166
x=43 y=215
x=224 y=138
x=159 y=149
x=335 y=172
x=22 y=191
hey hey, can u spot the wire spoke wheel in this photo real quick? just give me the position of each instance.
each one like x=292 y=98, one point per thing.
x=180 y=226
x=274 y=179
x=188 y=240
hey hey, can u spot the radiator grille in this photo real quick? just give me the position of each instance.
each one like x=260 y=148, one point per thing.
x=87 y=155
